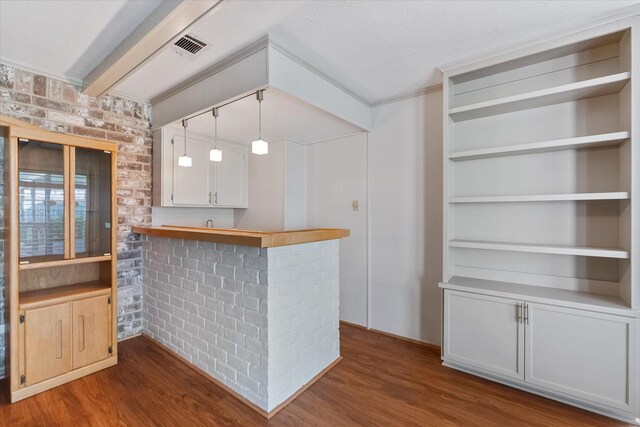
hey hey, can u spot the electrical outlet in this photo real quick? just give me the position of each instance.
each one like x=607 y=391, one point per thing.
x=355 y=205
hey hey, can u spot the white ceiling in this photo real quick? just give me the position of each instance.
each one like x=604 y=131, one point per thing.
x=376 y=49
x=283 y=117
x=66 y=38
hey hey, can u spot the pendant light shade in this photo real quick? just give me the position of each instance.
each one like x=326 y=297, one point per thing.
x=259 y=146
x=184 y=160
x=215 y=154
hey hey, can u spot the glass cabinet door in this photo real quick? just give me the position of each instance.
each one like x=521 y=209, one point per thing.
x=92 y=202
x=41 y=199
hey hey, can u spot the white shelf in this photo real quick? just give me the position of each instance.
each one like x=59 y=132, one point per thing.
x=570 y=92
x=620 y=195
x=602 y=140
x=583 y=300
x=541 y=249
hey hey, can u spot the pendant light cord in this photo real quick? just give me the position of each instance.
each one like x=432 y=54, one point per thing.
x=184 y=125
x=259 y=118
x=215 y=132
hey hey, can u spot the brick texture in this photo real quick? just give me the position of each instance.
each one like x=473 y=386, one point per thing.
x=60 y=106
x=3 y=336
x=262 y=321
x=303 y=315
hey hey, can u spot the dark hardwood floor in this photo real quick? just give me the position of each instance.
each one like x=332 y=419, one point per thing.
x=382 y=381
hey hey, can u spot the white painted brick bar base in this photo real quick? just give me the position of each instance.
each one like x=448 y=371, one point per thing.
x=262 y=321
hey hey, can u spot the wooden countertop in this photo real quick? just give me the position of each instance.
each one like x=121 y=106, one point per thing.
x=260 y=239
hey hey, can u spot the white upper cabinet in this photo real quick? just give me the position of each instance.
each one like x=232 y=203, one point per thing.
x=230 y=177
x=204 y=184
x=191 y=186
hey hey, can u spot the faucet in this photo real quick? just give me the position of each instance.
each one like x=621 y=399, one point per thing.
x=209 y=221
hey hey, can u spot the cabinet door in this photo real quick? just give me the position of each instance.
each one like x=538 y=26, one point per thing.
x=91 y=202
x=191 y=185
x=91 y=330
x=581 y=354
x=47 y=333
x=42 y=202
x=484 y=332
x=230 y=177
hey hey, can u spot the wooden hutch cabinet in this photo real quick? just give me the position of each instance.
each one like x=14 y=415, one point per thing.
x=60 y=254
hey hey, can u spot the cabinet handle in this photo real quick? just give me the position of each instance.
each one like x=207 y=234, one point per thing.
x=209 y=197
x=526 y=314
x=59 y=342
x=215 y=198
x=81 y=328
x=519 y=313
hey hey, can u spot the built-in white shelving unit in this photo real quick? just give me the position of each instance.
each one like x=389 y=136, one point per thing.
x=542 y=217
x=592 y=141
x=571 y=92
x=541 y=249
x=613 y=195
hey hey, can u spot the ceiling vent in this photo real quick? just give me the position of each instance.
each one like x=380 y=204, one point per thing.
x=188 y=46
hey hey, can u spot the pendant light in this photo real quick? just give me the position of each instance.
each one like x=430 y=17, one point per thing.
x=259 y=146
x=215 y=155
x=184 y=160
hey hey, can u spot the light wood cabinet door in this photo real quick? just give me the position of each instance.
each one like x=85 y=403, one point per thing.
x=231 y=177
x=47 y=333
x=484 y=332
x=91 y=330
x=581 y=354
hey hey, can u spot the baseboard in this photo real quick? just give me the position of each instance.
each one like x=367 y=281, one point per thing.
x=354 y=325
x=304 y=388
x=29 y=391
x=130 y=336
x=206 y=375
x=430 y=346
x=256 y=408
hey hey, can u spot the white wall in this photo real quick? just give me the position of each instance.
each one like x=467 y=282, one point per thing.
x=398 y=167
x=405 y=190
x=295 y=186
x=266 y=191
x=337 y=175
x=197 y=217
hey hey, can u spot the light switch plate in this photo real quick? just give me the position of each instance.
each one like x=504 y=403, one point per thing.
x=355 y=205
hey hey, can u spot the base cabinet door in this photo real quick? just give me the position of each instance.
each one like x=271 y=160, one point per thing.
x=47 y=345
x=91 y=330
x=584 y=355
x=484 y=332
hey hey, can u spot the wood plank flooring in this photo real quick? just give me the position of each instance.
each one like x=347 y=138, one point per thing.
x=382 y=381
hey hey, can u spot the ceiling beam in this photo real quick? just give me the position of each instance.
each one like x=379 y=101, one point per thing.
x=166 y=22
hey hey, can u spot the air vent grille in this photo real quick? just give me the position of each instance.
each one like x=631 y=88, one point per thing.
x=188 y=46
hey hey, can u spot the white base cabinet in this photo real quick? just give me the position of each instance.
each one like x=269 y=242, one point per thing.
x=580 y=355
x=205 y=184
x=483 y=332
